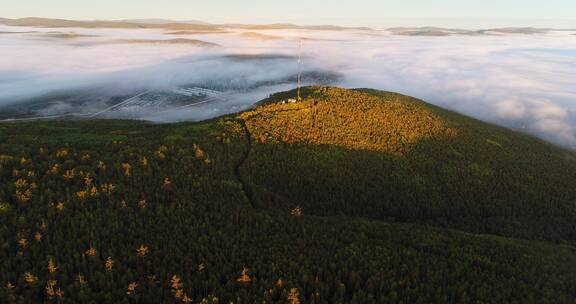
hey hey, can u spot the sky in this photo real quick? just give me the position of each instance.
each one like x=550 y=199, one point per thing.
x=374 y=13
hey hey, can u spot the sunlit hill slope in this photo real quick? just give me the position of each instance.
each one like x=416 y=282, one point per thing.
x=387 y=156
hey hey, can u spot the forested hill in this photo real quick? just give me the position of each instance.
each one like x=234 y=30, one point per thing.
x=347 y=196
x=387 y=156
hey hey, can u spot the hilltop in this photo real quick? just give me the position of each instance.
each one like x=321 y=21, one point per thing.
x=346 y=196
x=387 y=156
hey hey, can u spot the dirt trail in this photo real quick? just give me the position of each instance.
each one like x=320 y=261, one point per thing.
x=246 y=188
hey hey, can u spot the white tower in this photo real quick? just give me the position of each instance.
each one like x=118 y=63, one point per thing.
x=299 y=68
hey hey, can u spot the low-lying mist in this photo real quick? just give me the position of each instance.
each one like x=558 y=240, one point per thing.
x=524 y=81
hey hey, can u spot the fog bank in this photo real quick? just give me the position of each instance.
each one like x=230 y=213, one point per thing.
x=524 y=81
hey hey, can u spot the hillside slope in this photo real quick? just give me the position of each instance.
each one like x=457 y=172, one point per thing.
x=386 y=156
x=125 y=212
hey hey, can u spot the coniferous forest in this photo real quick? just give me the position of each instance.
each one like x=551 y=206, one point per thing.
x=347 y=196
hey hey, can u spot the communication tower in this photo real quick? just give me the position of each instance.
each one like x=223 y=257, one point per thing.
x=299 y=68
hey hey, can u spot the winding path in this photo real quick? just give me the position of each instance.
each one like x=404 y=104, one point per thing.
x=246 y=188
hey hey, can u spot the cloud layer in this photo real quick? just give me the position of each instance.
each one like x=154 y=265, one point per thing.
x=521 y=81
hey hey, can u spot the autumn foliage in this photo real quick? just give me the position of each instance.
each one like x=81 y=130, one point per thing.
x=351 y=119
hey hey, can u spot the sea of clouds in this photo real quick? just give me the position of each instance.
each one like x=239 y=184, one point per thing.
x=521 y=81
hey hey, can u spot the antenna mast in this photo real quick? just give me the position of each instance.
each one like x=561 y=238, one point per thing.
x=299 y=67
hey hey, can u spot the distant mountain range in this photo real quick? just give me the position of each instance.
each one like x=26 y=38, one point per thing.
x=439 y=31
x=196 y=26
x=163 y=21
x=57 y=23
x=160 y=24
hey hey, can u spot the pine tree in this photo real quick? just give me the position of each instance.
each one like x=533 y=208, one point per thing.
x=131 y=288
x=109 y=264
x=30 y=278
x=52 y=268
x=293 y=297
x=244 y=276
x=142 y=250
